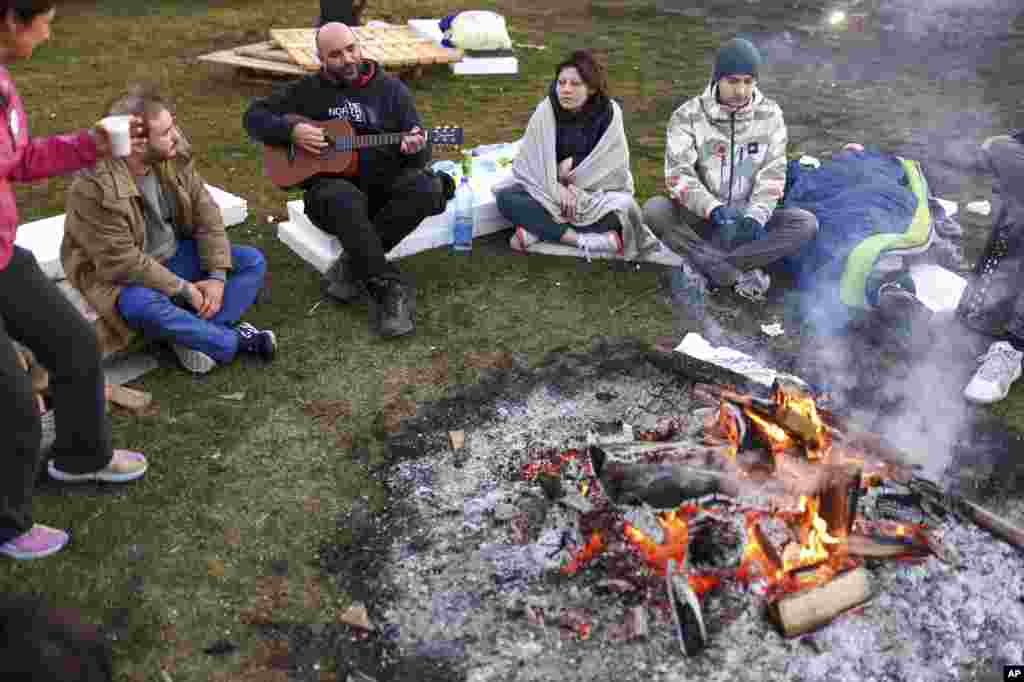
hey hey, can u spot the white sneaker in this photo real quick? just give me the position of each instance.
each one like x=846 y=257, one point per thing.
x=193 y=360
x=1000 y=368
x=599 y=242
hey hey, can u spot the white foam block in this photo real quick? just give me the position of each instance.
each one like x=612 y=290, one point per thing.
x=661 y=253
x=938 y=288
x=468 y=66
x=43 y=237
x=950 y=207
x=320 y=249
x=485 y=66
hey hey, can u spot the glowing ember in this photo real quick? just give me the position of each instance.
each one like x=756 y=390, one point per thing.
x=726 y=427
x=551 y=463
x=655 y=554
x=595 y=546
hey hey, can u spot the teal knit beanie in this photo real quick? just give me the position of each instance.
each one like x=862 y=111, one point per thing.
x=738 y=56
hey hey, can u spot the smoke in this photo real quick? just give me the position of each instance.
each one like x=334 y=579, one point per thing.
x=926 y=79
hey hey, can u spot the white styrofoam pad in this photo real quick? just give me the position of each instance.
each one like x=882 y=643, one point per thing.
x=661 y=254
x=468 y=66
x=43 y=237
x=320 y=249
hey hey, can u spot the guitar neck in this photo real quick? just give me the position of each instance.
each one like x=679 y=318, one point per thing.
x=364 y=141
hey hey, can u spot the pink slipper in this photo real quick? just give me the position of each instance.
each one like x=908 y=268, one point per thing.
x=522 y=239
x=39 y=542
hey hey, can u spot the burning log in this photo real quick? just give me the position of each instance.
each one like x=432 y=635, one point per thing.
x=804 y=611
x=839 y=500
x=800 y=421
x=869 y=547
x=662 y=486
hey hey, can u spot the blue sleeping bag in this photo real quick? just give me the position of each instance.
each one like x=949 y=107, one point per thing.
x=854 y=195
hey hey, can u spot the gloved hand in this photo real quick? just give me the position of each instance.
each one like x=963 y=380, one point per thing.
x=748 y=230
x=726 y=220
x=723 y=215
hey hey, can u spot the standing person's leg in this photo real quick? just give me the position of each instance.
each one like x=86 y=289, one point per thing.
x=678 y=229
x=43 y=319
x=787 y=231
x=1005 y=156
x=22 y=434
x=158 y=317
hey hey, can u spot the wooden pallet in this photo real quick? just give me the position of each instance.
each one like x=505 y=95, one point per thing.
x=393 y=47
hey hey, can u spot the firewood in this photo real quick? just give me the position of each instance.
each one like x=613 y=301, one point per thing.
x=809 y=609
x=839 y=500
x=871 y=548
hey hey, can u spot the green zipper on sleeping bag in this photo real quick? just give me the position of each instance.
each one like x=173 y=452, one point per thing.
x=861 y=261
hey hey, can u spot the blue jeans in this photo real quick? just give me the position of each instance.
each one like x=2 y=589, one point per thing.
x=519 y=208
x=158 y=317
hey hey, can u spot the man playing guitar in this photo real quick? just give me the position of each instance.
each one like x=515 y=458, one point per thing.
x=373 y=206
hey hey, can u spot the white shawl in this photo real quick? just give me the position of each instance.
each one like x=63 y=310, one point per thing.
x=603 y=181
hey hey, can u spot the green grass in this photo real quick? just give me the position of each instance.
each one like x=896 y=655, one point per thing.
x=194 y=552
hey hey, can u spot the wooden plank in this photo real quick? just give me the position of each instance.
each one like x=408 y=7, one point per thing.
x=269 y=51
x=231 y=58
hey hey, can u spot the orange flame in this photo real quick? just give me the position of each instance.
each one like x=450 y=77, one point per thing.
x=814 y=536
x=776 y=437
x=799 y=413
x=655 y=554
x=595 y=546
x=726 y=428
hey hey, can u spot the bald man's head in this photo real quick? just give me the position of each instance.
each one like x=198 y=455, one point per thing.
x=339 y=51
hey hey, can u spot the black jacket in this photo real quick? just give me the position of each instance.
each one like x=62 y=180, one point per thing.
x=383 y=105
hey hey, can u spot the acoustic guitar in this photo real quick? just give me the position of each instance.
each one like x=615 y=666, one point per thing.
x=288 y=166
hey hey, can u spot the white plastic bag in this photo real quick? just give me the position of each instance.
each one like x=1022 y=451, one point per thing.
x=479 y=30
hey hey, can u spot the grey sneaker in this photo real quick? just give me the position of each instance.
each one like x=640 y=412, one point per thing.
x=1000 y=367
x=688 y=293
x=338 y=283
x=753 y=284
x=193 y=360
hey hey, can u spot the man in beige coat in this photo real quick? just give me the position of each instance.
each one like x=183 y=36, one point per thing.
x=145 y=244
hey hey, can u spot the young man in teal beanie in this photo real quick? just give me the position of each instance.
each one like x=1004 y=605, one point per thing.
x=725 y=170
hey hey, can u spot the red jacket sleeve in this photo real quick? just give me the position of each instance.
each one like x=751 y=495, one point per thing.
x=43 y=157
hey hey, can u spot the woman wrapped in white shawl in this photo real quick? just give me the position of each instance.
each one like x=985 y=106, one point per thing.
x=571 y=181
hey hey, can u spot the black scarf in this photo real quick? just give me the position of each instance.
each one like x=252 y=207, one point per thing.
x=579 y=131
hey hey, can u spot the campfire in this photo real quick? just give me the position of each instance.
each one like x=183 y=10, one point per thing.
x=802 y=549
x=597 y=515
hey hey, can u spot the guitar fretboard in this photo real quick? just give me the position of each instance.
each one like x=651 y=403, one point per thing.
x=344 y=144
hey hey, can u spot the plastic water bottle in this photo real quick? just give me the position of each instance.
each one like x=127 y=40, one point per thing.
x=462 y=222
